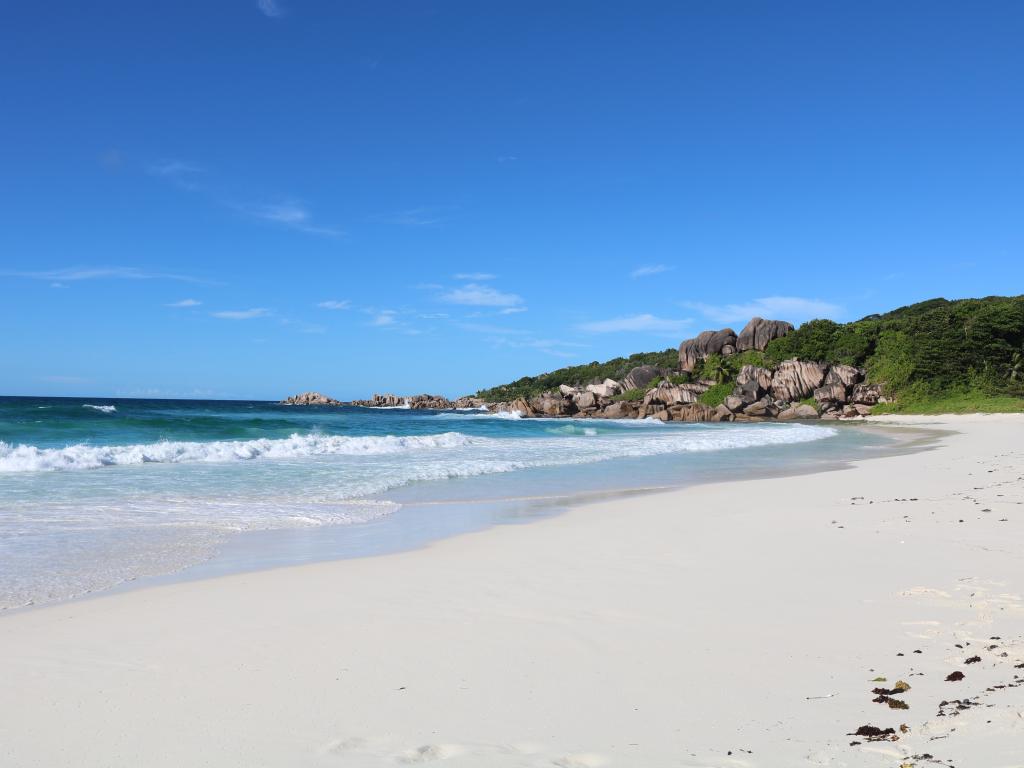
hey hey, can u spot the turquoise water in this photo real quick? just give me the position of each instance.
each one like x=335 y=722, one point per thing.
x=95 y=492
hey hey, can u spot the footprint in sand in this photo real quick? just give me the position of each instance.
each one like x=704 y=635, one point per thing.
x=428 y=753
x=341 y=746
x=581 y=760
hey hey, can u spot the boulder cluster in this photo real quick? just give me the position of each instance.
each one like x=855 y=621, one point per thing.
x=794 y=389
x=310 y=398
x=433 y=402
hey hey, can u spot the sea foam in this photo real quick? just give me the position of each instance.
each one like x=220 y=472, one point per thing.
x=29 y=458
x=103 y=408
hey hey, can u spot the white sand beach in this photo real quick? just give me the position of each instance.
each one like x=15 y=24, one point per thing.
x=734 y=624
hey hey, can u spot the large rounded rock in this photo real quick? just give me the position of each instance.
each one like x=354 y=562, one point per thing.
x=619 y=410
x=585 y=401
x=607 y=388
x=707 y=343
x=846 y=375
x=433 y=402
x=758 y=332
x=762 y=376
x=693 y=412
x=866 y=394
x=830 y=395
x=801 y=411
x=641 y=376
x=551 y=404
x=796 y=379
x=734 y=403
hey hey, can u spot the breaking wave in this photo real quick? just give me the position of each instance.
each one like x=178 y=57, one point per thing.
x=483 y=455
x=103 y=408
x=29 y=458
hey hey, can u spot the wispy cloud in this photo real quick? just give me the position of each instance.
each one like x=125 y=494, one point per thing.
x=635 y=323
x=384 y=317
x=474 y=277
x=241 y=314
x=511 y=310
x=421 y=216
x=503 y=337
x=289 y=214
x=476 y=295
x=180 y=172
x=74 y=274
x=333 y=304
x=270 y=8
x=184 y=303
x=648 y=270
x=792 y=308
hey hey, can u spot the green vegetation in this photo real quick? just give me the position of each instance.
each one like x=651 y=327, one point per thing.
x=943 y=345
x=580 y=375
x=959 y=401
x=716 y=395
x=935 y=356
x=717 y=368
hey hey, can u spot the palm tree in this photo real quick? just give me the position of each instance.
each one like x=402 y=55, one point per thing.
x=716 y=368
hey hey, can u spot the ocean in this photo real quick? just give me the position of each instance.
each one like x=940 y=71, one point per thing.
x=96 y=493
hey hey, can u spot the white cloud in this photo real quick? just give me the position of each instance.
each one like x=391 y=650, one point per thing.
x=511 y=310
x=288 y=214
x=178 y=171
x=476 y=295
x=241 y=314
x=384 y=317
x=74 y=274
x=474 y=277
x=332 y=304
x=270 y=8
x=553 y=347
x=641 y=323
x=648 y=270
x=184 y=303
x=792 y=308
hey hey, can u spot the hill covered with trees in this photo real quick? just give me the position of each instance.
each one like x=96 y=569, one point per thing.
x=966 y=354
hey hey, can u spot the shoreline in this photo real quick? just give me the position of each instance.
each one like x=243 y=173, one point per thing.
x=252 y=551
x=729 y=624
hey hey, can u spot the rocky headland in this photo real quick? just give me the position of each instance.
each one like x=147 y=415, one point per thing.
x=791 y=389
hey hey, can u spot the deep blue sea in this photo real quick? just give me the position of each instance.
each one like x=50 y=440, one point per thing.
x=97 y=492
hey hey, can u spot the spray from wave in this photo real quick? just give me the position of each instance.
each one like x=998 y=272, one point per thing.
x=102 y=408
x=481 y=455
x=29 y=458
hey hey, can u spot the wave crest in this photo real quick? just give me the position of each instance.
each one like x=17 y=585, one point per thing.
x=29 y=458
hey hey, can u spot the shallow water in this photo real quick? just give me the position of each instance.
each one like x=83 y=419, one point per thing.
x=98 y=492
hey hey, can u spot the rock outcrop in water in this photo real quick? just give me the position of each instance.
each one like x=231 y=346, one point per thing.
x=310 y=398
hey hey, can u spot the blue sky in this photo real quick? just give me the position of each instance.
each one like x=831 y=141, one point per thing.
x=249 y=198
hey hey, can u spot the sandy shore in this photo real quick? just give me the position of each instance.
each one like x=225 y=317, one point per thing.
x=737 y=624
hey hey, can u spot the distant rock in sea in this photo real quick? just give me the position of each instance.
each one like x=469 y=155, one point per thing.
x=310 y=398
